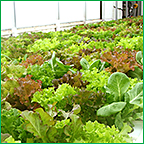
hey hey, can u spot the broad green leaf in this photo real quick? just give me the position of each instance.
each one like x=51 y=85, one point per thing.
x=52 y=61
x=75 y=129
x=89 y=127
x=136 y=95
x=46 y=118
x=84 y=63
x=129 y=108
x=51 y=133
x=80 y=140
x=96 y=64
x=11 y=140
x=4 y=136
x=6 y=57
x=139 y=57
x=119 y=121
x=111 y=109
x=138 y=116
x=126 y=129
x=25 y=57
x=34 y=124
x=118 y=83
x=76 y=109
x=65 y=114
x=137 y=73
x=29 y=140
x=61 y=65
x=102 y=67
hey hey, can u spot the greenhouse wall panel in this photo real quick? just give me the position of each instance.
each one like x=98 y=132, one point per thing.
x=30 y=13
x=6 y=14
x=71 y=11
x=93 y=9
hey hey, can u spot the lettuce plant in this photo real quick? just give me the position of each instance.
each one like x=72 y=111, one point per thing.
x=73 y=79
x=120 y=101
x=71 y=129
x=21 y=99
x=86 y=66
x=120 y=61
x=97 y=80
x=11 y=123
x=50 y=96
x=33 y=59
x=135 y=43
x=138 y=72
x=42 y=45
x=43 y=73
x=13 y=71
x=139 y=57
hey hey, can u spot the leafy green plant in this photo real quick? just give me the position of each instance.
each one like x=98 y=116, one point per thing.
x=43 y=73
x=11 y=123
x=42 y=124
x=138 y=72
x=21 y=99
x=11 y=140
x=71 y=129
x=135 y=43
x=139 y=57
x=13 y=47
x=89 y=102
x=13 y=71
x=99 y=133
x=86 y=66
x=75 y=61
x=49 y=96
x=73 y=79
x=97 y=80
x=46 y=44
x=58 y=67
x=120 y=62
x=33 y=59
x=49 y=70
x=120 y=100
x=7 y=87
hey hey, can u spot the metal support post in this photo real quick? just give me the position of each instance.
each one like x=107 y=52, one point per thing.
x=139 y=7
x=103 y=11
x=14 y=28
x=100 y=9
x=85 y=13
x=116 y=10
x=126 y=9
x=58 y=20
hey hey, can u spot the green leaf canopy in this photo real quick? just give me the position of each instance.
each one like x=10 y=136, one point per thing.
x=118 y=84
x=136 y=95
x=111 y=109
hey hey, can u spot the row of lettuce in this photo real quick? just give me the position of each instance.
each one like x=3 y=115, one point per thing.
x=80 y=85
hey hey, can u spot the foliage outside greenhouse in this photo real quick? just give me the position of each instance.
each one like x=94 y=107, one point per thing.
x=83 y=85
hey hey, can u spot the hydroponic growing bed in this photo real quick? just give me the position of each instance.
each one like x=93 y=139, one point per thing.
x=83 y=85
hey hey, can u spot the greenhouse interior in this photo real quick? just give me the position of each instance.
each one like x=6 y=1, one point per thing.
x=71 y=71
